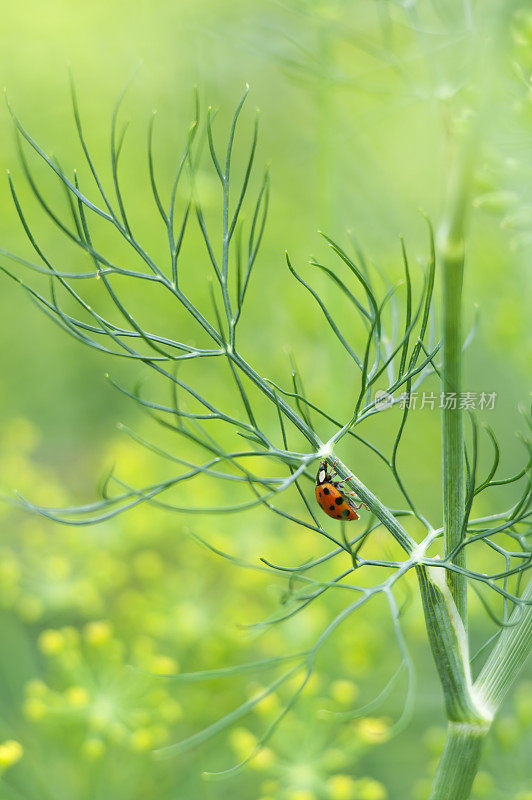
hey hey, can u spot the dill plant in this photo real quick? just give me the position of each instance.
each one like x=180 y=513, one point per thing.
x=274 y=444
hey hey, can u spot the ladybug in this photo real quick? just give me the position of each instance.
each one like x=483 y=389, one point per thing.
x=330 y=497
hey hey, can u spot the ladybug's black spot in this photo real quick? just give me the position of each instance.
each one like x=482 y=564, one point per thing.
x=338 y=516
x=320 y=493
x=326 y=491
x=331 y=508
x=339 y=501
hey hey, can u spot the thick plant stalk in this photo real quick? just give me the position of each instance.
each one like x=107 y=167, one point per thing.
x=452 y=432
x=459 y=761
x=452 y=266
x=463 y=746
x=452 y=257
x=448 y=642
x=470 y=709
x=447 y=616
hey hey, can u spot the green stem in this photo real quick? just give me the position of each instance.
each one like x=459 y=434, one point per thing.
x=452 y=431
x=459 y=761
x=508 y=656
x=452 y=260
x=448 y=642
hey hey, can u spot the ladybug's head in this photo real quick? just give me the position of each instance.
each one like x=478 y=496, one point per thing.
x=322 y=472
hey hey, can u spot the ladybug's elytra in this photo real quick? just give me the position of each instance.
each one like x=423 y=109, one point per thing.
x=330 y=497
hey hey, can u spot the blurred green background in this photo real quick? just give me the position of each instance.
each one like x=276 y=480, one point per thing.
x=354 y=100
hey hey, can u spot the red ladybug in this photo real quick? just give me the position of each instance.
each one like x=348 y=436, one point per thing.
x=330 y=497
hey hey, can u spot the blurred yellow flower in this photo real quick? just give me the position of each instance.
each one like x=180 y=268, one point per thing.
x=370 y=789
x=98 y=633
x=34 y=708
x=263 y=759
x=341 y=787
x=51 y=642
x=300 y=794
x=10 y=752
x=268 y=705
x=373 y=729
x=141 y=739
x=77 y=696
x=344 y=691
x=242 y=741
x=164 y=665
x=93 y=748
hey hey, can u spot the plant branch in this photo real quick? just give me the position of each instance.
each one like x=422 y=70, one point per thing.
x=508 y=656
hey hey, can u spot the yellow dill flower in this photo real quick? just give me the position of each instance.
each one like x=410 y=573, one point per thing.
x=165 y=665
x=77 y=696
x=10 y=752
x=373 y=729
x=141 y=739
x=93 y=748
x=263 y=759
x=98 y=633
x=370 y=789
x=300 y=794
x=344 y=691
x=51 y=642
x=242 y=741
x=341 y=787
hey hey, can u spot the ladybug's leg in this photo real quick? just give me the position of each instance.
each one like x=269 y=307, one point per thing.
x=333 y=470
x=344 y=480
x=352 y=494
